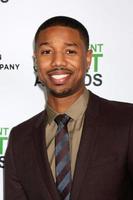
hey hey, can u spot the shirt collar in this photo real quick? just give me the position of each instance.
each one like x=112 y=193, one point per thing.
x=74 y=111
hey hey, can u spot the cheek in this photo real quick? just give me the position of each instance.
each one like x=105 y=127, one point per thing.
x=40 y=74
x=41 y=71
x=43 y=66
x=82 y=66
x=43 y=63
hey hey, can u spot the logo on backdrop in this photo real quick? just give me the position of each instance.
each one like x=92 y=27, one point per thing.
x=93 y=77
x=4 y=1
x=4 y=132
x=8 y=66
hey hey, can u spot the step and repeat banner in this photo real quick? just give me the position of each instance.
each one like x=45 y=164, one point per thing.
x=110 y=25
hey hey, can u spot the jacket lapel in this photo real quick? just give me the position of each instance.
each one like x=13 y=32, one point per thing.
x=84 y=154
x=86 y=145
x=41 y=154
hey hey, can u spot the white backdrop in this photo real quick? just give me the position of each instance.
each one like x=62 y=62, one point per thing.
x=110 y=25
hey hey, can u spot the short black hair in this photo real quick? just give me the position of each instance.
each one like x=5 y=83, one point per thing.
x=67 y=22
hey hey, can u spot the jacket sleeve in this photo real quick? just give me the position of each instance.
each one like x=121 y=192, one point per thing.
x=13 y=189
x=130 y=162
x=130 y=152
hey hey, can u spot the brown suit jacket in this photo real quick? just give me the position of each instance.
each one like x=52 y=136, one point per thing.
x=104 y=167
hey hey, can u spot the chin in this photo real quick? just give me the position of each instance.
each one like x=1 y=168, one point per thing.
x=61 y=94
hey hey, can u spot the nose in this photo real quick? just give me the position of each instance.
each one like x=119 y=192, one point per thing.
x=58 y=59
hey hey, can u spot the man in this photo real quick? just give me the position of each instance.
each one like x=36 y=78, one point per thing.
x=81 y=146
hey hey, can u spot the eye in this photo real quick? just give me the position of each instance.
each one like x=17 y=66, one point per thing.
x=46 y=52
x=71 y=52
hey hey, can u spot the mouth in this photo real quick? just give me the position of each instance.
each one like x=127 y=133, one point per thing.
x=59 y=77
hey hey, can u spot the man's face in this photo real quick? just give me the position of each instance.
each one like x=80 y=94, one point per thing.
x=62 y=60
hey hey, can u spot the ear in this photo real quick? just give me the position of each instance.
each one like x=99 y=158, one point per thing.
x=88 y=58
x=34 y=57
x=34 y=62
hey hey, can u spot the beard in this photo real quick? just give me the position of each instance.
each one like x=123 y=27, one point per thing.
x=64 y=93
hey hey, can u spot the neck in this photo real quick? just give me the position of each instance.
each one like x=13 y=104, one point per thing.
x=60 y=105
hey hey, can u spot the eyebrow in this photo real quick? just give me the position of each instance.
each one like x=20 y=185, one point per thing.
x=71 y=44
x=66 y=43
x=44 y=43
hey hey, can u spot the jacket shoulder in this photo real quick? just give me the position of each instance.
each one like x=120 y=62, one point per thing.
x=26 y=126
x=115 y=110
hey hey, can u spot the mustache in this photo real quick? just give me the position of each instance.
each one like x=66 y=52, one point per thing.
x=61 y=68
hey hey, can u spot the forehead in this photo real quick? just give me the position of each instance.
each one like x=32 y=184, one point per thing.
x=63 y=33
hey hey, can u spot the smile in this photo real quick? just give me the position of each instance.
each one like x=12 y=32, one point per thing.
x=59 y=76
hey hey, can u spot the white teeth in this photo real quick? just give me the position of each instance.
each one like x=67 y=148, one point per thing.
x=59 y=76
